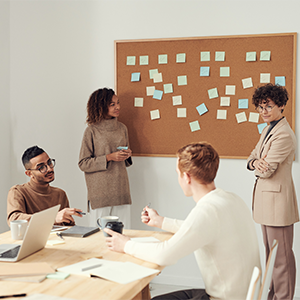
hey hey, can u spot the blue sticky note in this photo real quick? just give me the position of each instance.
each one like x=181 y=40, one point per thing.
x=280 y=80
x=135 y=76
x=261 y=126
x=204 y=71
x=202 y=109
x=243 y=103
x=157 y=94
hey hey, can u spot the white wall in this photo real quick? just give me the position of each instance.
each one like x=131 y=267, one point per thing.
x=61 y=51
x=5 y=133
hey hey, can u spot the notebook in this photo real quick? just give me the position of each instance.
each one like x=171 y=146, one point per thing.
x=35 y=237
x=79 y=231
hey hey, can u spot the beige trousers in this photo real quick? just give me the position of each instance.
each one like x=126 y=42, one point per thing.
x=284 y=274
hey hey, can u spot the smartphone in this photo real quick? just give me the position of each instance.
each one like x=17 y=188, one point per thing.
x=122 y=148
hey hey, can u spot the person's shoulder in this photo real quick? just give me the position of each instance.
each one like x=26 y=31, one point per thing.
x=57 y=190
x=19 y=187
x=122 y=125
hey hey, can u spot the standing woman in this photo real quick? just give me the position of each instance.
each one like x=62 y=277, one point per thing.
x=104 y=166
x=274 y=198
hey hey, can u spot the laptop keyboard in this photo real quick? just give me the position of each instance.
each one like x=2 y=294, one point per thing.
x=12 y=253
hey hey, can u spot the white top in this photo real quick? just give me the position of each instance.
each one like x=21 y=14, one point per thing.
x=221 y=233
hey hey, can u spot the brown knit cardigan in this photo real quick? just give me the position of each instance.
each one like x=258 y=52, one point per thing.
x=107 y=182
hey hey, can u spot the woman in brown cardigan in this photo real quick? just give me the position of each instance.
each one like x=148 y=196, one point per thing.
x=104 y=166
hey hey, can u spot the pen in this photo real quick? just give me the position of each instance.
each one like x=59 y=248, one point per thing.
x=81 y=213
x=90 y=267
x=15 y=295
x=59 y=235
x=148 y=206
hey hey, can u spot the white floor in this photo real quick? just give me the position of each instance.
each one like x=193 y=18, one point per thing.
x=159 y=289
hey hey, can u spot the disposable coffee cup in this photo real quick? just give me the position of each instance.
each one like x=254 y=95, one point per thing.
x=18 y=229
x=102 y=221
x=115 y=226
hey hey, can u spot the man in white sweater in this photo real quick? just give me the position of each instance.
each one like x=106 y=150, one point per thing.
x=219 y=230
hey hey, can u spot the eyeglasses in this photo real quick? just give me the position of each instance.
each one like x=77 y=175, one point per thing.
x=43 y=168
x=268 y=108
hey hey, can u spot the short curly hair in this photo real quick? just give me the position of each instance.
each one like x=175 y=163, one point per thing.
x=29 y=154
x=97 y=106
x=277 y=93
x=200 y=160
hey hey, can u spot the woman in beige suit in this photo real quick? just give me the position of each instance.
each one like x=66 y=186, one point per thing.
x=274 y=199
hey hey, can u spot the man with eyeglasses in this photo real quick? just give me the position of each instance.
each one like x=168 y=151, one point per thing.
x=274 y=198
x=37 y=195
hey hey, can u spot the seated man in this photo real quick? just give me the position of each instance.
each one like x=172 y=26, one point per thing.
x=36 y=195
x=219 y=230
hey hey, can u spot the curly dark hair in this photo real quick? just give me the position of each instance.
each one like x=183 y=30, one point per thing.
x=29 y=154
x=277 y=93
x=97 y=106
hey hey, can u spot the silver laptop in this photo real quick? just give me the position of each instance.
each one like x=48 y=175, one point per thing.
x=35 y=237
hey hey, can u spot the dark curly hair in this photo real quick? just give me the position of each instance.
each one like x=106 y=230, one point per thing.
x=29 y=154
x=277 y=93
x=97 y=106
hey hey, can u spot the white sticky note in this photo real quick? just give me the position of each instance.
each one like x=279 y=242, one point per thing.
x=130 y=61
x=182 y=80
x=221 y=114
x=157 y=78
x=181 y=112
x=251 y=56
x=163 y=59
x=177 y=100
x=225 y=101
x=265 y=77
x=241 y=117
x=138 y=102
x=265 y=55
x=230 y=90
x=247 y=83
x=224 y=71
x=220 y=56
x=205 y=56
x=152 y=72
x=154 y=114
x=253 y=117
x=213 y=93
x=144 y=60
x=194 y=126
x=150 y=90
x=180 y=58
x=168 y=88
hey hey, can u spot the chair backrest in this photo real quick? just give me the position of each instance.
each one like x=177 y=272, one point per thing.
x=254 y=286
x=263 y=294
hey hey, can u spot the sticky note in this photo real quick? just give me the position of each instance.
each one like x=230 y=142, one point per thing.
x=194 y=126
x=180 y=58
x=152 y=72
x=220 y=56
x=241 y=117
x=280 y=80
x=251 y=56
x=230 y=90
x=253 y=117
x=265 y=77
x=182 y=80
x=130 y=61
x=224 y=71
x=221 y=114
x=138 y=102
x=261 y=126
x=163 y=59
x=157 y=94
x=225 y=101
x=168 y=88
x=265 y=55
x=58 y=275
x=157 y=77
x=177 y=100
x=204 y=71
x=205 y=56
x=135 y=76
x=150 y=90
x=202 y=109
x=144 y=60
x=247 y=83
x=213 y=93
x=181 y=112
x=243 y=104
x=154 y=114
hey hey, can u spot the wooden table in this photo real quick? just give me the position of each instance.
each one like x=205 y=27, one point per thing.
x=79 y=287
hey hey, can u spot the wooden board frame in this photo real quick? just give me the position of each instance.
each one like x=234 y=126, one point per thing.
x=164 y=136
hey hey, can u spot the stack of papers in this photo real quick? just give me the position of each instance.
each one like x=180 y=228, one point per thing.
x=120 y=272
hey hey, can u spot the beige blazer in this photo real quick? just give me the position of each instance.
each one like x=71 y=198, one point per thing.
x=274 y=198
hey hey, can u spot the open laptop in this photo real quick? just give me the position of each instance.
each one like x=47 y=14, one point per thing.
x=35 y=237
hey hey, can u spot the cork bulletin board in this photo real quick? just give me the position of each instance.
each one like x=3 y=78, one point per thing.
x=177 y=91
